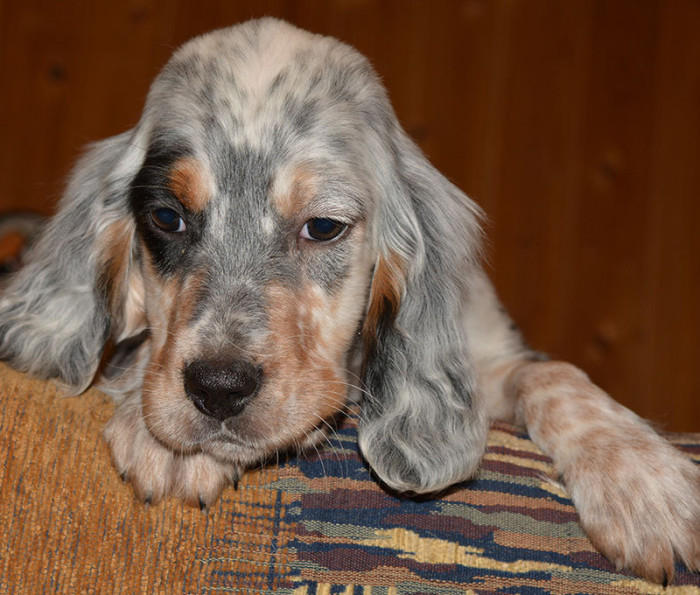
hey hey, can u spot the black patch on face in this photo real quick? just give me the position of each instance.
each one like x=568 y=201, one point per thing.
x=150 y=190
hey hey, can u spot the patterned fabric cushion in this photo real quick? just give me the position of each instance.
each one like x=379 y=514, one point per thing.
x=317 y=523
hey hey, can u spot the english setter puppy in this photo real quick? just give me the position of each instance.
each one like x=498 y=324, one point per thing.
x=266 y=232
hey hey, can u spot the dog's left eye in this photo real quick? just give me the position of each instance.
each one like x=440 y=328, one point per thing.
x=168 y=220
x=321 y=229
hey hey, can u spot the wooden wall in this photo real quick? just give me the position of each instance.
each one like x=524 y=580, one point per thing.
x=576 y=124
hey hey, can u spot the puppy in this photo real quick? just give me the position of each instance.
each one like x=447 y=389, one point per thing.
x=267 y=225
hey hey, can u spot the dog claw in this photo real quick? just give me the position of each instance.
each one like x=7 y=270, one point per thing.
x=235 y=477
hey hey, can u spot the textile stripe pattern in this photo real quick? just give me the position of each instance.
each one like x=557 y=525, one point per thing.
x=511 y=530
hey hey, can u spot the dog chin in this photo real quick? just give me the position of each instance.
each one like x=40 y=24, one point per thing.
x=231 y=449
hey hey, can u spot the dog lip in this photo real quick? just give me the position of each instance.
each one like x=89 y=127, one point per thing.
x=228 y=445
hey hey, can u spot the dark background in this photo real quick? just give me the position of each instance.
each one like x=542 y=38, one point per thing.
x=574 y=123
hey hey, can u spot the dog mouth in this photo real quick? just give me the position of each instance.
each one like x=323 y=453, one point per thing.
x=238 y=443
x=272 y=425
x=238 y=409
x=241 y=432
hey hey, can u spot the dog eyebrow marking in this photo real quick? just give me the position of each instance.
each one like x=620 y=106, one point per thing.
x=189 y=184
x=290 y=196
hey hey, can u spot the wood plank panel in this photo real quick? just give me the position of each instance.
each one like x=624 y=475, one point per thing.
x=608 y=335
x=672 y=237
x=535 y=185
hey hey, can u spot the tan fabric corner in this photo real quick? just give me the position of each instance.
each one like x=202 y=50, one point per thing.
x=69 y=525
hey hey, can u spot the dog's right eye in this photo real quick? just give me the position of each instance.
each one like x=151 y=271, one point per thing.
x=168 y=220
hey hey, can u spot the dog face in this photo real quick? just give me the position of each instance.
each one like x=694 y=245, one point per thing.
x=265 y=219
x=252 y=248
x=255 y=331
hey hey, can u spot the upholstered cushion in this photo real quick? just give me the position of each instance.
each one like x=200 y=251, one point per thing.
x=317 y=523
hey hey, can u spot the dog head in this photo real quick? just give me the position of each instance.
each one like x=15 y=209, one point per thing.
x=265 y=220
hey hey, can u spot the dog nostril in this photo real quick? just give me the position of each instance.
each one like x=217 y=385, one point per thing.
x=221 y=389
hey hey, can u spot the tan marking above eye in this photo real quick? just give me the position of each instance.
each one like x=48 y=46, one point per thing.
x=293 y=192
x=189 y=184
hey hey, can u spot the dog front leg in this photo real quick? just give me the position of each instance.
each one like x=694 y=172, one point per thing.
x=637 y=496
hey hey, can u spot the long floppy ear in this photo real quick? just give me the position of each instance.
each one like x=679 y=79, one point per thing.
x=56 y=313
x=421 y=427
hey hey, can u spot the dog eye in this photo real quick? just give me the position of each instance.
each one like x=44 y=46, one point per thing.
x=168 y=220
x=322 y=230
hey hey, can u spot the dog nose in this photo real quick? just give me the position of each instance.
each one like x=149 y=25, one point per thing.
x=221 y=389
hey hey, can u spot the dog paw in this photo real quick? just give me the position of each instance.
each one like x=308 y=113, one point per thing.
x=639 y=502
x=156 y=471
